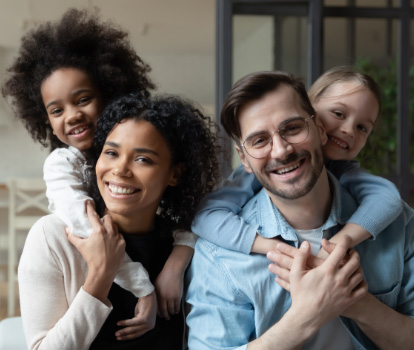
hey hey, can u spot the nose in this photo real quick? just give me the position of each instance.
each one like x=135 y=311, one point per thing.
x=348 y=127
x=280 y=147
x=74 y=115
x=121 y=168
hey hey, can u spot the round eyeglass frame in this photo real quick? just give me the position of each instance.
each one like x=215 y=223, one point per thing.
x=282 y=136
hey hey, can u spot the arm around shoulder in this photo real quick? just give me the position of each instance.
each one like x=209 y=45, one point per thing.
x=64 y=173
x=217 y=221
x=379 y=200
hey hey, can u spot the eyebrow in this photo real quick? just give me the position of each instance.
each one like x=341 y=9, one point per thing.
x=136 y=149
x=75 y=93
x=267 y=131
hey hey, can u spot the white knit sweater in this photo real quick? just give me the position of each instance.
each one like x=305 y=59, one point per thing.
x=57 y=313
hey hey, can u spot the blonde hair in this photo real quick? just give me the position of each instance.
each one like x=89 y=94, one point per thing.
x=343 y=74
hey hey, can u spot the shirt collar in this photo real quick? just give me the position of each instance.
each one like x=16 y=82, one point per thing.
x=272 y=223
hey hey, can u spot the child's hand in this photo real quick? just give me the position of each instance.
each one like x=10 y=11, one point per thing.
x=263 y=245
x=103 y=251
x=144 y=320
x=169 y=288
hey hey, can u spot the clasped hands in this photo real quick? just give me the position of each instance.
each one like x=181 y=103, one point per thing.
x=320 y=289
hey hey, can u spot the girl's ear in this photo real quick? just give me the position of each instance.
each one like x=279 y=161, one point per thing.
x=176 y=174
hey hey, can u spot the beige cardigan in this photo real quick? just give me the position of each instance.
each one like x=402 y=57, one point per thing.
x=57 y=313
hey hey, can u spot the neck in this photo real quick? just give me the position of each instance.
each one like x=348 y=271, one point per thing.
x=309 y=211
x=139 y=224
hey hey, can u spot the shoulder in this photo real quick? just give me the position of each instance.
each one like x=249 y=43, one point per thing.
x=48 y=223
x=69 y=154
x=250 y=210
x=48 y=233
x=224 y=264
x=63 y=161
x=60 y=158
x=211 y=257
x=214 y=269
x=339 y=167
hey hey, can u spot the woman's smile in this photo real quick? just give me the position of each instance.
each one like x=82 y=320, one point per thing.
x=133 y=170
x=118 y=189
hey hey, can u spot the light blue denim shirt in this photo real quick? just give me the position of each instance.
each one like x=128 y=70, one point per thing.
x=234 y=298
x=217 y=220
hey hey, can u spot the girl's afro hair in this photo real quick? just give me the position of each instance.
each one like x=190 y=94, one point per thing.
x=78 y=40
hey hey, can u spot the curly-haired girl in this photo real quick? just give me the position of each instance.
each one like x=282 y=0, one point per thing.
x=65 y=74
x=155 y=160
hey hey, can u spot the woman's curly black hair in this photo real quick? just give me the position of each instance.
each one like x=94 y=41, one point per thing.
x=191 y=138
x=79 y=40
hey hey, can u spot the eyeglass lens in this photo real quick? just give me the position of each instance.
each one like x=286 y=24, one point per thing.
x=292 y=131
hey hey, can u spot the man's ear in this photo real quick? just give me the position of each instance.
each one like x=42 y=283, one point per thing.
x=176 y=174
x=321 y=130
x=243 y=159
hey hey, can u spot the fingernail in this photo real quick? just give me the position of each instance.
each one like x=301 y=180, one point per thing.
x=271 y=254
x=304 y=245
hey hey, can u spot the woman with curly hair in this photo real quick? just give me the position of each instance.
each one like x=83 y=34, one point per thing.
x=155 y=160
x=65 y=74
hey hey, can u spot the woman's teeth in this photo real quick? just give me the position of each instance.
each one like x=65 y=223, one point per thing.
x=120 y=190
x=290 y=168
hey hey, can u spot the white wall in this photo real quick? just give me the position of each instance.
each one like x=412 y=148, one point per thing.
x=188 y=75
x=20 y=155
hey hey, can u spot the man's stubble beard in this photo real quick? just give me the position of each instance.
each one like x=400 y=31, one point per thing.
x=293 y=192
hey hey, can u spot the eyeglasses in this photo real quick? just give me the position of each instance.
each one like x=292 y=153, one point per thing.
x=294 y=130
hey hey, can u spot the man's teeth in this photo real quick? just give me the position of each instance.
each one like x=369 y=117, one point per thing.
x=339 y=143
x=120 y=190
x=77 y=131
x=290 y=168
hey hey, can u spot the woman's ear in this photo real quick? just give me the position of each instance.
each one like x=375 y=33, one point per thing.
x=176 y=174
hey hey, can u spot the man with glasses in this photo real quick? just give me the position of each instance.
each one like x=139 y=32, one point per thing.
x=235 y=302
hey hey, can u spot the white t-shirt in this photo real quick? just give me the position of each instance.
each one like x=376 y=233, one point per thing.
x=333 y=335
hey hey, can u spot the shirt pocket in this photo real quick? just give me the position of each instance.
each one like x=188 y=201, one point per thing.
x=390 y=297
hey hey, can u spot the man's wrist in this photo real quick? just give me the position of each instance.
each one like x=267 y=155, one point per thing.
x=304 y=327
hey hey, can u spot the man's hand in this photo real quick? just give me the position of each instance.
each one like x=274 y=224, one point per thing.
x=283 y=259
x=325 y=289
x=144 y=320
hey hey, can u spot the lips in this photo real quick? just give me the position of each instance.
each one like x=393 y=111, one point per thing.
x=121 y=190
x=78 y=129
x=287 y=169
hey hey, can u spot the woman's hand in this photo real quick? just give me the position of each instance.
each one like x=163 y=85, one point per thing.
x=103 y=251
x=144 y=320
